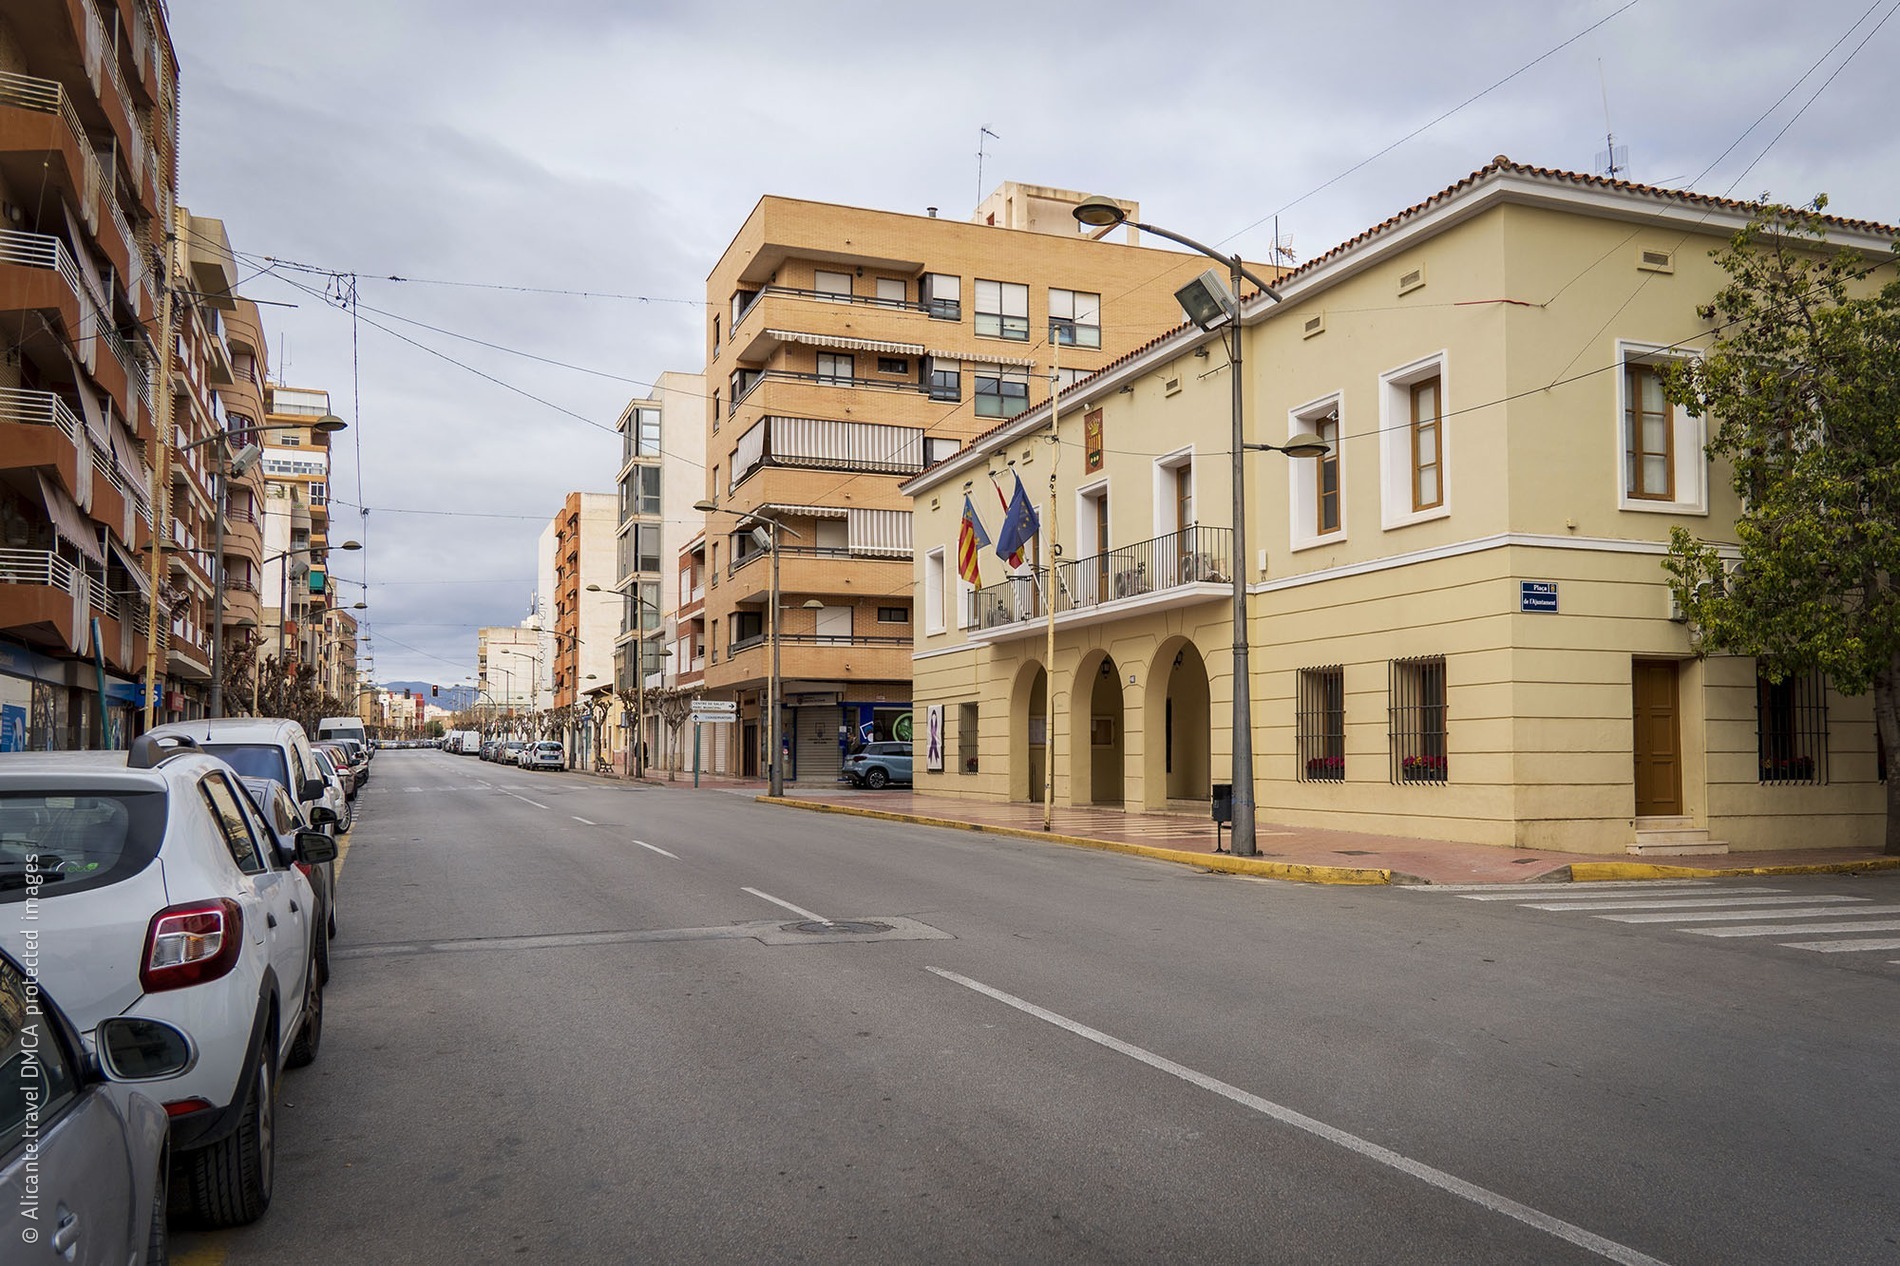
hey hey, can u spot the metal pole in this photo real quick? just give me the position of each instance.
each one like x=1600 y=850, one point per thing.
x=640 y=702
x=283 y=603
x=161 y=479
x=217 y=591
x=1049 y=592
x=777 y=782
x=1243 y=808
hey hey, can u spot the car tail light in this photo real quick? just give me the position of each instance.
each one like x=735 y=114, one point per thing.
x=190 y=944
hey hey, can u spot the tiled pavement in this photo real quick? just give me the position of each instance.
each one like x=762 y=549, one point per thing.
x=1430 y=861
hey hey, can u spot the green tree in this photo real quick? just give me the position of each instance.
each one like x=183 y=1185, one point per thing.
x=1803 y=382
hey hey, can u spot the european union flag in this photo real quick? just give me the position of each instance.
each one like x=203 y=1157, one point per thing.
x=1020 y=524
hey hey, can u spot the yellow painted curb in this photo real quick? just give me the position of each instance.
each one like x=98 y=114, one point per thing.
x=1298 y=872
x=1588 y=872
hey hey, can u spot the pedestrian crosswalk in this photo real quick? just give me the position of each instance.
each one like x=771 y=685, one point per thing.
x=1849 y=924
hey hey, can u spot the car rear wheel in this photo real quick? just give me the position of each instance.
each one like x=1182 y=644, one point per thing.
x=876 y=778
x=229 y=1182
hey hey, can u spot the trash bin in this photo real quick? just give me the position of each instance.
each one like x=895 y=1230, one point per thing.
x=1224 y=803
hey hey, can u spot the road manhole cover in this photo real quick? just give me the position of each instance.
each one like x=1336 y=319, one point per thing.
x=818 y=927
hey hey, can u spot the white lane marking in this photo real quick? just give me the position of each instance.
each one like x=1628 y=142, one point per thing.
x=806 y=914
x=1843 y=947
x=1438 y=1178
x=1687 y=903
x=1575 y=895
x=1566 y=886
x=405 y=789
x=584 y=821
x=1769 y=929
x=1717 y=916
x=536 y=803
x=655 y=848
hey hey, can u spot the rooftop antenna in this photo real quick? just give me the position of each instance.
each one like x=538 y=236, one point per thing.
x=981 y=132
x=1283 y=256
x=1613 y=160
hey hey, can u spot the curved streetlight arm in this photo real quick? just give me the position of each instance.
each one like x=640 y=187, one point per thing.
x=1232 y=261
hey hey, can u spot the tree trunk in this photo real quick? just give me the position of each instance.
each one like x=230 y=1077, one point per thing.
x=1887 y=719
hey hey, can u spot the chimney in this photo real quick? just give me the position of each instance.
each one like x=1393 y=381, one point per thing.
x=932 y=212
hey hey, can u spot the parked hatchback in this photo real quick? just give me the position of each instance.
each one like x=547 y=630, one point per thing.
x=82 y=1170
x=158 y=895
x=878 y=765
x=542 y=756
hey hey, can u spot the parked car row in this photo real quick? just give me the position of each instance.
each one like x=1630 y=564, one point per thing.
x=182 y=896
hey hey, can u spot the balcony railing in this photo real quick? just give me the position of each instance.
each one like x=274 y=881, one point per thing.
x=1196 y=556
x=826 y=380
x=38 y=567
x=39 y=250
x=38 y=408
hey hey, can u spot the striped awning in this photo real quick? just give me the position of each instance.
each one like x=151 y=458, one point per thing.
x=854 y=344
x=987 y=358
x=803 y=512
x=881 y=532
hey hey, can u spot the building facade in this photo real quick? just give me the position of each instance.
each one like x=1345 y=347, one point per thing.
x=1459 y=620
x=848 y=349
x=88 y=178
x=298 y=591
x=507 y=670
x=662 y=473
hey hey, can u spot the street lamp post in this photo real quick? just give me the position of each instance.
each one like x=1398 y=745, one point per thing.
x=1207 y=303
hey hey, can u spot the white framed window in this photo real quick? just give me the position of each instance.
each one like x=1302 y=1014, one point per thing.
x=1660 y=467
x=941 y=294
x=1317 y=507
x=934 y=576
x=1002 y=310
x=1174 y=508
x=1415 y=442
x=892 y=290
x=1075 y=318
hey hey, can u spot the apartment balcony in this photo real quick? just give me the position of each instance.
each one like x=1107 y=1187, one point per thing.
x=38 y=274
x=809 y=656
x=42 y=140
x=813 y=569
x=243 y=605
x=781 y=314
x=1178 y=570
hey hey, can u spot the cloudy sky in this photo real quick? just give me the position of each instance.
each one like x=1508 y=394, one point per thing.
x=556 y=179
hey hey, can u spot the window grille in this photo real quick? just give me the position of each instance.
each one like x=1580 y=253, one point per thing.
x=1416 y=690
x=966 y=738
x=1321 y=724
x=1791 y=729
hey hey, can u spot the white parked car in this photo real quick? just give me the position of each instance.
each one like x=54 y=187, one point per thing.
x=542 y=756
x=157 y=895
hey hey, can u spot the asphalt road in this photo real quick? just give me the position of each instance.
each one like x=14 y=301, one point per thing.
x=568 y=1022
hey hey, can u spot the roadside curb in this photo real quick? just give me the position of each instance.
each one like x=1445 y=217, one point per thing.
x=1298 y=872
x=1596 y=872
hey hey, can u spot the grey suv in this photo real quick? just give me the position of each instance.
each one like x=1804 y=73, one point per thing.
x=878 y=765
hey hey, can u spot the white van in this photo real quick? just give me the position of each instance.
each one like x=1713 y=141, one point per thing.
x=344 y=728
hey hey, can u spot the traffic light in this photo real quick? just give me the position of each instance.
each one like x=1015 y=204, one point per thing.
x=434 y=691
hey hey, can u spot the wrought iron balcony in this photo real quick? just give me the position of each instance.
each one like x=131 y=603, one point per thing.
x=1179 y=565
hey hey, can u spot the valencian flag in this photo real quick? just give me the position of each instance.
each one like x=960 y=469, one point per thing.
x=1019 y=525
x=970 y=538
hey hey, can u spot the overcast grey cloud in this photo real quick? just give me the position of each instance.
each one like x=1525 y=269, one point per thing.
x=595 y=146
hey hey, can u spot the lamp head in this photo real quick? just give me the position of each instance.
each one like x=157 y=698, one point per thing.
x=329 y=424
x=1207 y=300
x=246 y=458
x=351 y=545
x=1099 y=213
x=704 y=506
x=1306 y=444
x=763 y=537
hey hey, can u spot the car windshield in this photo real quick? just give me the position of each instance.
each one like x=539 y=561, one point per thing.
x=254 y=760
x=55 y=844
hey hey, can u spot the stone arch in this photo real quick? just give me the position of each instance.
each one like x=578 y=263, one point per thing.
x=1178 y=748
x=1028 y=732
x=1097 y=732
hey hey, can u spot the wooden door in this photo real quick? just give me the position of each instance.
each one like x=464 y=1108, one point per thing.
x=1658 y=738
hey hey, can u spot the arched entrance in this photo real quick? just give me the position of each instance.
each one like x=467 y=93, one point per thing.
x=1029 y=733
x=1178 y=762
x=1097 y=732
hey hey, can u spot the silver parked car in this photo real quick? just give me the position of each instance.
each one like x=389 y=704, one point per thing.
x=83 y=1170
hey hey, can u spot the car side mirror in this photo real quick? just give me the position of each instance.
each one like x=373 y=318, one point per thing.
x=314 y=848
x=134 y=1049
x=323 y=815
x=311 y=789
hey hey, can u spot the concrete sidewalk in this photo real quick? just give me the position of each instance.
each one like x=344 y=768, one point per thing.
x=1296 y=852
